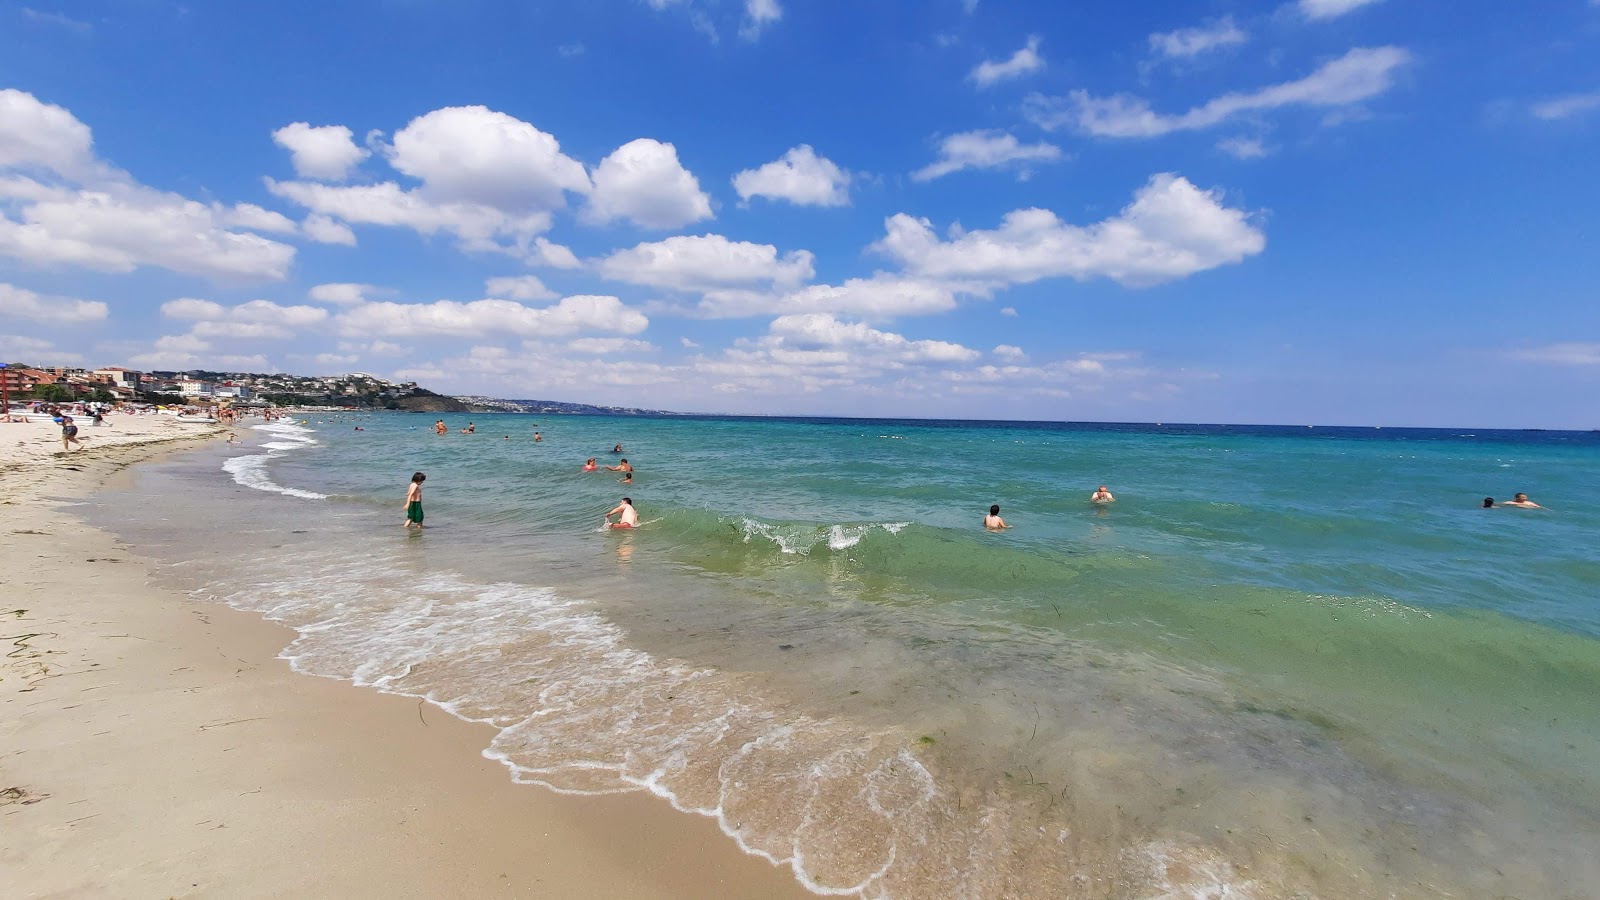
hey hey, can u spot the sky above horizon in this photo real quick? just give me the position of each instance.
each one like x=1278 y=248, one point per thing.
x=1308 y=211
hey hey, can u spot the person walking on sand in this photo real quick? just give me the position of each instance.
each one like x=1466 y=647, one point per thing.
x=414 y=500
x=626 y=516
x=1102 y=496
x=69 y=434
x=992 y=521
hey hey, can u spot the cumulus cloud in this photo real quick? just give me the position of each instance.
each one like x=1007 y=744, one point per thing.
x=1010 y=352
x=21 y=303
x=878 y=298
x=186 y=351
x=599 y=346
x=984 y=150
x=327 y=230
x=548 y=253
x=480 y=318
x=1188 y=43
x=1568 y=106
x=60 y=206
x=255 y=320
x=706 y=262
x=1172 y=229
x=800 y=176
x=1023 y=62
x=814 y=331
x=342 y=293
x=327 y=152
x=643 y=182
x=1358 y=75
x=758 y=14
x=1317 y=10
x=488 y=178
x=518 y=287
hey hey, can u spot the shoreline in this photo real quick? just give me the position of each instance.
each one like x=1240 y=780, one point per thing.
x=157 y=746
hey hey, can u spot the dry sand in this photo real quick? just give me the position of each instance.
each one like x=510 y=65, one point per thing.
x=152 y=746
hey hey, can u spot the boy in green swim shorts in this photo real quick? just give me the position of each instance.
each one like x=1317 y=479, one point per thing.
x=414 y=500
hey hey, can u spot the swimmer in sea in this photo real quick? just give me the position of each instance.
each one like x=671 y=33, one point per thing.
x=589 y=466
x=536 y=438
x=1521 y=501
x=626 y=517
x=617 y=449
x=1102 y=496
x=438 y=427
x=470 y=429
x=621 y=467
x=992 y=521
x=414 y=500
x=627 y=478
x=1488 y=503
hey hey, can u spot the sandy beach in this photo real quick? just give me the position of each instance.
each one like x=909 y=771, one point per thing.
x=154 y=746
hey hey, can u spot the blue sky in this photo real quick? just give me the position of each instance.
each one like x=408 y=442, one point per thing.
x=1320 y=211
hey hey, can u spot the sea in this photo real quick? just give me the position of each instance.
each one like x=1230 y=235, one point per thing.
x=1285 y=662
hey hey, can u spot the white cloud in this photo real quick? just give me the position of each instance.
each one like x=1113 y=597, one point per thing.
x=342 y=293
x=1187 y=43
x=1172 y=229
x=21 y=303
x=548 y=253
x=185 y=351
x=1570 y=353
x=43 y=136
x=983 y=150
x=1010 y=311
x=600 y=346
x=758 y=14
x=1023 y=62
x=1010 y=352
x=814 y=331
x=1568 y=106
x=335 y=359
x=519 y=287
x=1243 y=147
x=36 y=351
x=1359 y=75
x=800 y=176
x=488 y=178
x=327 y=152
x=878 y=298
x=375 y=348
x=472 y=154
x=255 y=218
x=255 y=320
x=688 y=344
x=479 y=318
x=60 y=206
x=328 y=230
x=706 y=262
x=643 y=181
x=1330 y=9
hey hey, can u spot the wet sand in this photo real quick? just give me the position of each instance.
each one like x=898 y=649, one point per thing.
x=154 y=746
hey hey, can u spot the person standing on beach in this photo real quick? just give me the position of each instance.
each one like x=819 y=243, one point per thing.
x=626 y=516
x=414 y=500
x=69 y=434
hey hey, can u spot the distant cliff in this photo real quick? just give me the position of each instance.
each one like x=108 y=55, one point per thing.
x=431 y=403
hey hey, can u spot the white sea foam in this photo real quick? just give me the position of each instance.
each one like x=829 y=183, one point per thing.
x=251 y=471
x=802 y=539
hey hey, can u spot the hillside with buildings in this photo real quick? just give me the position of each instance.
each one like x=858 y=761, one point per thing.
x=115 y=383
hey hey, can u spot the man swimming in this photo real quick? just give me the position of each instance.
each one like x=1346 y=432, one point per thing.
x=627 y=478
x=438 y=427
x=1521 y=501
x=1102 y=496
x=626 y=516
x=992 y=521
x=620 y=467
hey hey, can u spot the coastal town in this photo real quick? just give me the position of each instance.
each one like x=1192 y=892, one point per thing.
x=116 y=384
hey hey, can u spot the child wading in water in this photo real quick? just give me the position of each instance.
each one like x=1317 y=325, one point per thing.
x=414 y=500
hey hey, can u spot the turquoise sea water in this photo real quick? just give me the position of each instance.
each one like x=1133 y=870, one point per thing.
x=1286 y=662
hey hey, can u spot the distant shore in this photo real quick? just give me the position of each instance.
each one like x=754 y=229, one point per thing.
x=155 y=746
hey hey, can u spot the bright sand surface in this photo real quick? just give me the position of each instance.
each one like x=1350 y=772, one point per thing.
x=152 y=746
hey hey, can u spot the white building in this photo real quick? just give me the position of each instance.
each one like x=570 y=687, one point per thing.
x=191 y=388
x=232 y=392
